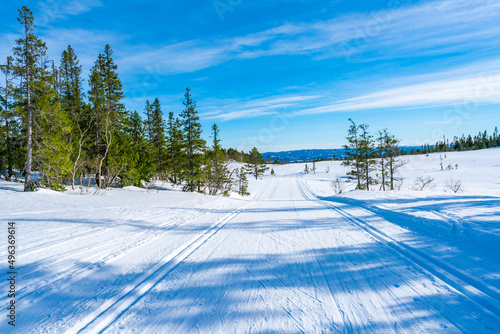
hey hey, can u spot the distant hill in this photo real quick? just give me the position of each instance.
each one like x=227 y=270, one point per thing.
x=312 y=154
x=304 y=155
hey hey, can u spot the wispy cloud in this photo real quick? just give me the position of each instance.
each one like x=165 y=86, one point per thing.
x=56 y=9
x=476 y=87
x=255 y=108
x=472 y=85
x=434 y=27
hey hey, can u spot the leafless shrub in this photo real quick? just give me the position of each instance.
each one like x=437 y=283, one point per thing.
x=453 y=185
x=423 y=182
x=337 y=186
x=399 y=184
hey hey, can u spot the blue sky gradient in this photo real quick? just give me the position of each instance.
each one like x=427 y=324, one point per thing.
x=284 y=75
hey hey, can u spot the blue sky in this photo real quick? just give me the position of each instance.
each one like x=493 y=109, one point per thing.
x=284 y=75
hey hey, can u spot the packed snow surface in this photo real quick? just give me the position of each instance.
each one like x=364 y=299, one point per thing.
x=293 y=257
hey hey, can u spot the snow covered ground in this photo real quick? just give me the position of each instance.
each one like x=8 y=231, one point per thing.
x=292 y=258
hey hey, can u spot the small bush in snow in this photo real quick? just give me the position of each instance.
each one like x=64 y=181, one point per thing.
x=423 y=182
x=399 y=184
x=337 y=186
x=450 y=167
x=453 y=185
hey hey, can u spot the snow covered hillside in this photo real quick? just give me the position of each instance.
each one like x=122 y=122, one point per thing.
x=291 y=258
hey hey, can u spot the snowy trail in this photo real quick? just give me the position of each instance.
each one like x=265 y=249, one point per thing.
x=290 y=264
x=283 y=261
x=486 y=296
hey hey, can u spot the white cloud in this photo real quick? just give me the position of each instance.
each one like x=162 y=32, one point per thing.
x=51 y=10
x=474 y=88
x=433 y=27
x=256 y=107
x=471 y=85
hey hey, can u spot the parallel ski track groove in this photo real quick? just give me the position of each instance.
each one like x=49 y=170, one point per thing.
x=115 y=307
x=83 y=270
x=346 y=328
x=483 y=296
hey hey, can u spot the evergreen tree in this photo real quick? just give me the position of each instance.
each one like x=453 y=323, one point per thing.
x=193 y=145
x=217 y=176
x=366 y=159
x=79 y=113
x=242 y=181
x=174 y=148
x=156 y=127
x=392 y=149
x=29 y=54
x=353 y=154
x=382 y=152
x=255 y=164
x=51 y=133
x=139 y=167
x=105 y=96
x=11 y=150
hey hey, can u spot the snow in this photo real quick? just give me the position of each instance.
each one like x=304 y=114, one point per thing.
x=292 y=258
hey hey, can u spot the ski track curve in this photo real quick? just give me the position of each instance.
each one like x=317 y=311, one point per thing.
x=482 y=295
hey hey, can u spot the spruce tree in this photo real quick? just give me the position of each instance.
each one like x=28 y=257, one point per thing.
x=193 y=146
x=79 y=113
x=51 y=133
x=392 y=149
x=156 y=127
x=382 y=152
x=139 y=167
x=367 y=161
x=217 y=175
x=11 y=154
x=109 y=116
x=174 y=148
x=353 y=154
x=255 y=164
x=29 y=52
x=242 y=181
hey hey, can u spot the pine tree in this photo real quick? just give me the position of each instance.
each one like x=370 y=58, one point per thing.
x=139 y=167
x=366 y=159
x=174 y=148
x=157 y=127
x=353 y=154
x=217 y=176
x=194 y=145
x=393 y=150
x=72 y=101
x=51 y=133
x=382 y=152
x=11 y=151
x=242 y=181
x=109 y=113
x=255 y=163
x=29 y=52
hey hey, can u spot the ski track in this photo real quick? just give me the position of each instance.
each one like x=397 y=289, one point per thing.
x=481 y=294
x=87 y=265
x=99 y=320
x=306 y=272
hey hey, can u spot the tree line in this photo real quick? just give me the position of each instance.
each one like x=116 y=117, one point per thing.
x=66 y=136
x=478 y=142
